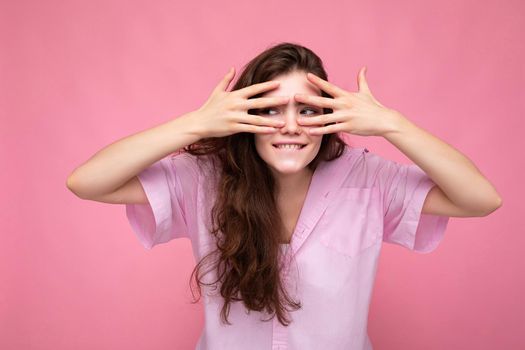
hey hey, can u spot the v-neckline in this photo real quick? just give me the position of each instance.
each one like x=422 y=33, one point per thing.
x=300 y=209
x=305 y=202
x=318 y=195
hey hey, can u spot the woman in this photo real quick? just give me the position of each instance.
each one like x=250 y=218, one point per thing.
x=287 y=219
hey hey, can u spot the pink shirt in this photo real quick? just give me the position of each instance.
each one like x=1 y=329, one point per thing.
x=353 y=204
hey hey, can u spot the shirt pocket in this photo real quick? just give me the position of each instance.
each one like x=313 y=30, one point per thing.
x=353 y=220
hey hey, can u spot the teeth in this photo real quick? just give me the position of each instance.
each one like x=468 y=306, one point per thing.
x=289 y=146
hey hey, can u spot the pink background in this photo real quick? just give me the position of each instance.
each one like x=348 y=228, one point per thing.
x=76 y=76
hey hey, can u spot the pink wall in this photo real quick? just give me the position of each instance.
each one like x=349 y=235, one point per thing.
x=76 y=76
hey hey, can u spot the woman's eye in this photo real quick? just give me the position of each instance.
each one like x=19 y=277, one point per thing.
x=266 y=111
x=313 y=111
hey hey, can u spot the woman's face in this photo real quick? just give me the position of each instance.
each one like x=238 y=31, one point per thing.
x=289 y=160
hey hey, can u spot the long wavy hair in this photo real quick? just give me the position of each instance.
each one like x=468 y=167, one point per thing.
x=246 y=223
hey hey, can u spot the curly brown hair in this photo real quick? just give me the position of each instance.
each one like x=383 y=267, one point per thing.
x=246 y=222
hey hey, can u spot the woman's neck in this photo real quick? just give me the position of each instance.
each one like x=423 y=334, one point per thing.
x=291 y=185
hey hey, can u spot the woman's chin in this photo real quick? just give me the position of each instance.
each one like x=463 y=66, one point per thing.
x=283 y=169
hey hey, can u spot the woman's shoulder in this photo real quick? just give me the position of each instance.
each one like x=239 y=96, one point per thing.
x=356 y=150
x=361 y=166
x=364 y=157
x=198 y=166
x=187 y=158
x=353 y=154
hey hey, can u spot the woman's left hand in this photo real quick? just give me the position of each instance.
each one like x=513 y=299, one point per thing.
x=358 y=113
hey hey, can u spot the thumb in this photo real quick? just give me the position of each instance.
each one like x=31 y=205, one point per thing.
x=361 y=81
x=363 y=85
x=223 y=84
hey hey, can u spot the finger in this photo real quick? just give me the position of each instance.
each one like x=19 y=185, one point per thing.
x=363 y=84
x=265 y=102
x=329 y=129
x=361 y=81
x=226 y=80
x=258 y=88
x=321 y=119
x=324 y=85
x=258 y=120
x=256 y=129
x=318 y=101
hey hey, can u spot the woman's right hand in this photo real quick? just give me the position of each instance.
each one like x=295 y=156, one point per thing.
x=226 y=112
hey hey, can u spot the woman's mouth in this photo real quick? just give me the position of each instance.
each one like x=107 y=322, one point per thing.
x=289 y=147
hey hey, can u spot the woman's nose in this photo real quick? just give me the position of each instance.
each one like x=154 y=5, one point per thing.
x=290 y=123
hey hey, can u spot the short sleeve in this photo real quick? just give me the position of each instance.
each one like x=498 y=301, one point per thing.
x=170 y=185
x=404 y=188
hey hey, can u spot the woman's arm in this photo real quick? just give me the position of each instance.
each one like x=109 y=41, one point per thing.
x=461 y=189
x=107 y=174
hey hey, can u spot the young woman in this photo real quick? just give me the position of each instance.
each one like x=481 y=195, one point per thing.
x=287 y=219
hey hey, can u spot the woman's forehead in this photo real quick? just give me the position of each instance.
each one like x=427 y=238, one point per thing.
x=292 y=83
